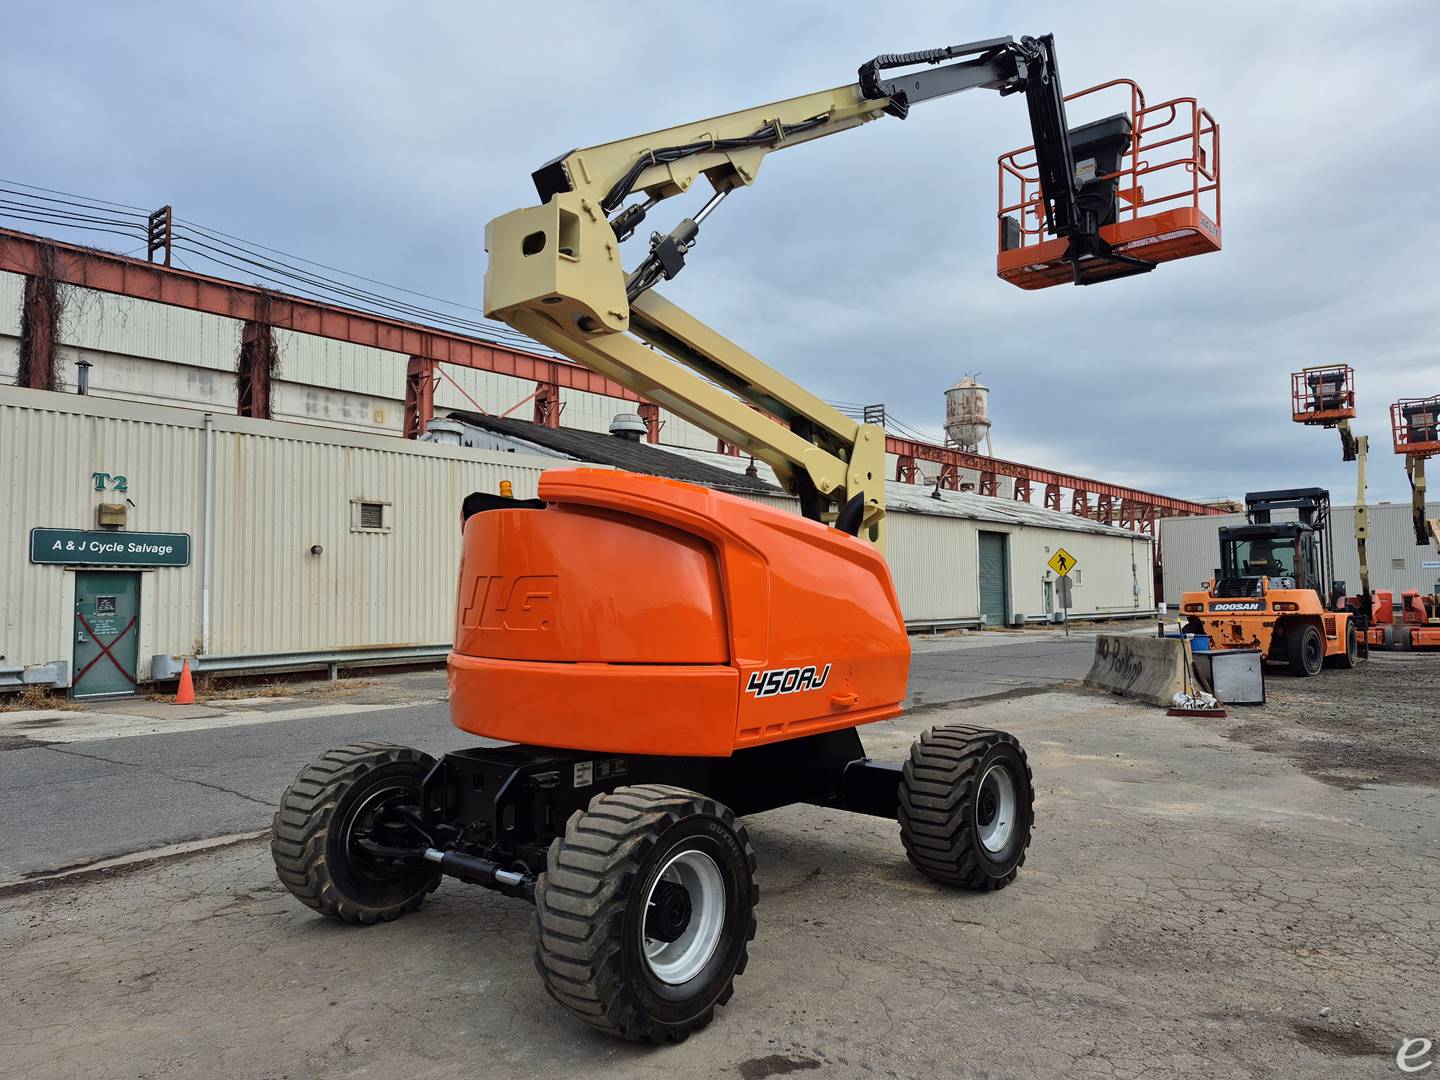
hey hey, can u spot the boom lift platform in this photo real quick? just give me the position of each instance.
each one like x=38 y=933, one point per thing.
x=1147 y=186
x=659 y=658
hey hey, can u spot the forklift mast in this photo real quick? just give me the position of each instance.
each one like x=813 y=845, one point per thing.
x=1311 y=566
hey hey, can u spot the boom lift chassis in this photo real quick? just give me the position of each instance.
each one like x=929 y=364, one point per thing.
x=615 y=811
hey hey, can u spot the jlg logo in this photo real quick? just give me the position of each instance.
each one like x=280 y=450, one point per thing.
x=786 y=681
x=523 y=603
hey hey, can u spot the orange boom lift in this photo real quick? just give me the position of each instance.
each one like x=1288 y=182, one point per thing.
x=658 y=658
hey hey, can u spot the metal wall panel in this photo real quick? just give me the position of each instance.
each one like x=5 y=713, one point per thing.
x=279 y=489
x=12 y=294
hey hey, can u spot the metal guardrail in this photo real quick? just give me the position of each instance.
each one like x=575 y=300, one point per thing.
x=166 y=666
x=56 y=673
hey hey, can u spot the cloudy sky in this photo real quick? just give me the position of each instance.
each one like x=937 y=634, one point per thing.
x=381 y=137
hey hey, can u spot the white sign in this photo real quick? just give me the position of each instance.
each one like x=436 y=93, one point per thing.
x=1430 y=564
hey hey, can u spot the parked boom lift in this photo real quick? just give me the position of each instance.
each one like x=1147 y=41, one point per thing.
x=660 y=658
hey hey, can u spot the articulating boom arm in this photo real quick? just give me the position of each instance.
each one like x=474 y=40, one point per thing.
x=555 y=271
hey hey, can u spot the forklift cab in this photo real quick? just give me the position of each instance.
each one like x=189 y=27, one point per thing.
x=1287 y=554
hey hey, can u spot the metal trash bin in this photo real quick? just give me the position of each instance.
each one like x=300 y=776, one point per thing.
x=1234 y=676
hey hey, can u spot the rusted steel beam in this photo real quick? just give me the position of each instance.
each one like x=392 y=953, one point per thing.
x=962 y=459
x=419 y=395
x=39 y=334
x=548 y=405
x=650 y=415
x=254 y=368
x=1022 y=489
x=88 y=268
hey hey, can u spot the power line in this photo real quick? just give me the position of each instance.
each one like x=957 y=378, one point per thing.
x=236 y=253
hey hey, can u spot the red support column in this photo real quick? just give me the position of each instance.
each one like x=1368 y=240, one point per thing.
x=419 y=395
x=905 y=471
x=726 y=448
x=1080 y=503
x=950 y=477
x=1052 y=496
x=1107 y=509
x=988 y=483
x=39 y=334
x=650 y=413
x=1022 y=489
x=548 y=405
x=1127 y=514
x=254 y=369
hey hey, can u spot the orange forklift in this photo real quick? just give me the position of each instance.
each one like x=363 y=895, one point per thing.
x=1272 y=590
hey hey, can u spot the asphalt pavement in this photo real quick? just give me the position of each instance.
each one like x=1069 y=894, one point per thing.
x=66 y=804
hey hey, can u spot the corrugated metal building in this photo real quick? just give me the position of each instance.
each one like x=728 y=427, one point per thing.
x=1190 y=548
x=327 y=545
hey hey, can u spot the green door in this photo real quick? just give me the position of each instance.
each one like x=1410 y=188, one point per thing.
x=107 y=634
x=994 y=578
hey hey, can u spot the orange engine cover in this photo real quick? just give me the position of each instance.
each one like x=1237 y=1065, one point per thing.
x=640 y=615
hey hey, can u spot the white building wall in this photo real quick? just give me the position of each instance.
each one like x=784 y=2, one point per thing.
x=936 y=563
x=278 y=490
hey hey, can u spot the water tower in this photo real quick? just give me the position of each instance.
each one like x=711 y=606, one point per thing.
x=967 y=415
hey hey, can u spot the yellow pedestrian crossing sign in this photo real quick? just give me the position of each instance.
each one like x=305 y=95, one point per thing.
x=1062 y=562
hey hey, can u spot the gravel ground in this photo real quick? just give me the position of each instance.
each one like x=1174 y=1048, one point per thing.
x=1378 y=723
x=1192 y=907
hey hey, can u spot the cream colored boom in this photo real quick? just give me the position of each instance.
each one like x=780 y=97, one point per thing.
x=555 y=274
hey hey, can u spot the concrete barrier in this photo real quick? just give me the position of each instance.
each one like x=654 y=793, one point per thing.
x=1149 y=669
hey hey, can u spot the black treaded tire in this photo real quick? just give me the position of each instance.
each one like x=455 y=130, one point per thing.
x=1350 y=657
x=1403 y=640
x=589 y=926
x=1305 y=649
x=309 y=836
x=940 y=814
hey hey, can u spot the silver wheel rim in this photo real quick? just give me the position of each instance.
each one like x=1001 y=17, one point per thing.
x=679 y=961
x=995 y=809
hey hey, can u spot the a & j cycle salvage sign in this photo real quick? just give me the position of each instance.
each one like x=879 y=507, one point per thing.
x=77 y=547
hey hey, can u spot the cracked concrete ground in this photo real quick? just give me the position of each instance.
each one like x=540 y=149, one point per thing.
x=1192 y=907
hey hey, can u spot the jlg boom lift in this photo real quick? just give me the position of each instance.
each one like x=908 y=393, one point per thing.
x=660 y=658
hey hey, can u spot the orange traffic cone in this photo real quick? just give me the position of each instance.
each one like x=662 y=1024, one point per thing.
x=185 y=695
